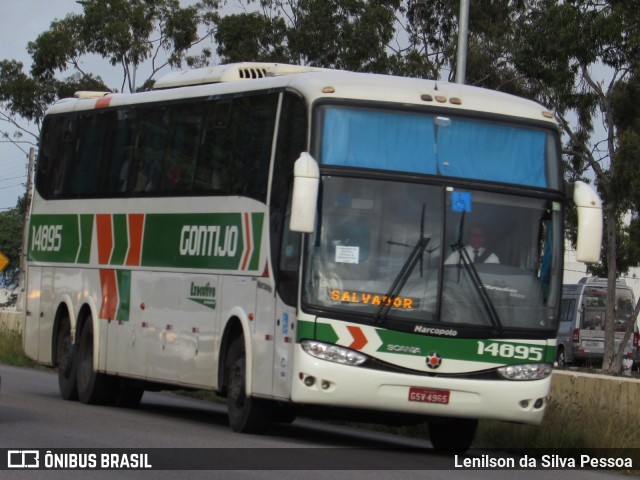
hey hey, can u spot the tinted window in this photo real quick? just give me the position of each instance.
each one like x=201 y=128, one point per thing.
x=218 y=146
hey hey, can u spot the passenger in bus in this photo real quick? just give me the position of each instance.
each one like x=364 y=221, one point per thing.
x=475 y=248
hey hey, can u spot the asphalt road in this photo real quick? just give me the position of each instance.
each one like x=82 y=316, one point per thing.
x=176 y=432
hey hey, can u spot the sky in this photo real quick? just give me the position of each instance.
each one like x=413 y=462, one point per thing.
x=21 y=21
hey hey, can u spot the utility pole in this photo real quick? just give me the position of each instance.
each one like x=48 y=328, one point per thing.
x=463 y=35
x=22 y=301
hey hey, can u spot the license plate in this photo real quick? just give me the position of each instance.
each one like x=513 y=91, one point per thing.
x=428 y=395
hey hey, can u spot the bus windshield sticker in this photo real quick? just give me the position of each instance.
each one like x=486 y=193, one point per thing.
x=345 y=254
x=461 y=202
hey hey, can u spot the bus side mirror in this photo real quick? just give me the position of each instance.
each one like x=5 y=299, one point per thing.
x=589 y=209
x=306 y=179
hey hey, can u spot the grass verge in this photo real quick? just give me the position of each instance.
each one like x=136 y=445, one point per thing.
x=11 y=351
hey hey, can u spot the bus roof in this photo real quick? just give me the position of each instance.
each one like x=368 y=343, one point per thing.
x=317 y=83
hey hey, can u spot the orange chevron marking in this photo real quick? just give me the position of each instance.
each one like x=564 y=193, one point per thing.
x=359 y=339
x=105 y=238
x=109 y=286
x=136 y=225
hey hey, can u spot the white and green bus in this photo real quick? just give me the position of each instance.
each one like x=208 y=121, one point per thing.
x=283 y=236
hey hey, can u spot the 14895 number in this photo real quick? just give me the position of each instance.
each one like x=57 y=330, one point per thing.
x=509 y=350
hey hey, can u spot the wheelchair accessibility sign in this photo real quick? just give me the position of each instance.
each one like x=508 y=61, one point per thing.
x=461 y=201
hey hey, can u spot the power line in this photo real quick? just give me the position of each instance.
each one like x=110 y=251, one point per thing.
x=12 y=186
x=13 y=178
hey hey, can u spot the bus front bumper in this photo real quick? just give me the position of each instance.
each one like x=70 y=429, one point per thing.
x=320 y=382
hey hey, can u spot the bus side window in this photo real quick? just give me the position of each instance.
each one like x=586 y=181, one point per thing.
x=56 y=150
x=93 y=138
x=211 y=155
x=182 y=148
x=120 y=156
x=153 y=131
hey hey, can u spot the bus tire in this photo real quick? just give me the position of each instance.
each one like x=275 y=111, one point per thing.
x=128 y=396
x=246 y=414
x=93 y=388
x=452 y=435
x=66 y=361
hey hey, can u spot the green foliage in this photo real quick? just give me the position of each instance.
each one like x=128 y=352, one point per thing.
x=23 y=95
x=11 y=351
x=11 y=232
x=337 y=34
x=125 y=33
x=251 y=36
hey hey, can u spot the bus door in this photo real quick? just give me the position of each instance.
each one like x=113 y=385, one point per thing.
x=284 y=343
x=264 y=335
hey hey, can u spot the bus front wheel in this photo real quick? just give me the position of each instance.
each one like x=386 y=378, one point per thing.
x=246 y=414
x=452 y=435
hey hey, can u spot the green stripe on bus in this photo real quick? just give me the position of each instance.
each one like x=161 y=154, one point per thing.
x=123 y=278
x=502 y=352
x=53 y=238
x=322 y=332
x=120 y=239
x=257 y=220
x=86 y=235
x=466 y=349
x=199 y=240
x=305 y=330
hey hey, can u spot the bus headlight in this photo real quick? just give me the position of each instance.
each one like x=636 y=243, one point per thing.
x=333 y=353
x=534 y=371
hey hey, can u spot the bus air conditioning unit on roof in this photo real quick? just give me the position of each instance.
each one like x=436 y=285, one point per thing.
x=228 y=73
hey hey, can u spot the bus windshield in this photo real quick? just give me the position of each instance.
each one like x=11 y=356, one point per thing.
x=388 y=250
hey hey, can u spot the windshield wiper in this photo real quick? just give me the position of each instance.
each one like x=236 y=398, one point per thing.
x=405 y=272
x=402 y=277
x=489 y=307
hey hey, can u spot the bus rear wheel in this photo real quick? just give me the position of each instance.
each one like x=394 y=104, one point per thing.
x=66 y=361
x=246 y=414
x=452 y=435
x=93 y=388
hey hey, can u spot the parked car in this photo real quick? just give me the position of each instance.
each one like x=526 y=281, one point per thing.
x=582 y=316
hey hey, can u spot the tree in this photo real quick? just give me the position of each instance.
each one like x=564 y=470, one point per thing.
x=127 y=33
x=11 y=227
x=560 y=48
x=352 y=35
